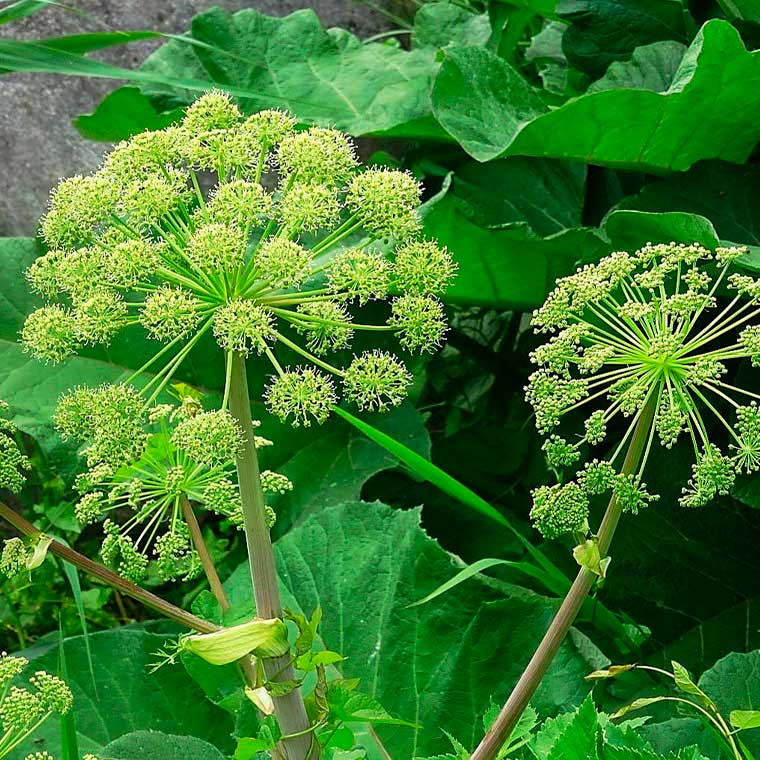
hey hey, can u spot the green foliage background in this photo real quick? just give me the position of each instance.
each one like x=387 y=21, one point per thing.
x=546 y=134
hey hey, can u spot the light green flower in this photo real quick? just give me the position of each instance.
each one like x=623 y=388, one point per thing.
x=647 y=329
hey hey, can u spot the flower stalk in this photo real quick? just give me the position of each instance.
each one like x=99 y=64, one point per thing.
x=289 y=709
x=116 y=581
x=534 y=672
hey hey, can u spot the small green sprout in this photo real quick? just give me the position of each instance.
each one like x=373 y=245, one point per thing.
x=638 y=329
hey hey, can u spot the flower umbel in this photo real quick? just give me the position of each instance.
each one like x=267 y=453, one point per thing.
x=638 y=329
x=139 y=244
x=23 y=710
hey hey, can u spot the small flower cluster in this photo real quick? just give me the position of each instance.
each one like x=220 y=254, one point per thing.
x=13 y=462
x=139 y=244
x=638 y=331
x=23 y=710
x=151 y=465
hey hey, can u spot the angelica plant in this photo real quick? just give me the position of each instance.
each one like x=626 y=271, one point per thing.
x=23 y=710
x=140 y=245
x=646 y=340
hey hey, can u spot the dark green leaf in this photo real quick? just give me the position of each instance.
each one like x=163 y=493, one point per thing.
x=603 y=31
x=652 y=67
x=121 y=114
x=128 y=696
x=491 y=111
x=156 y=745
x=437 y=665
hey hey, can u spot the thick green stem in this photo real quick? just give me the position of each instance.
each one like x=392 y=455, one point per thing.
x=290 y=709
x=95 y=569
x=531 y=677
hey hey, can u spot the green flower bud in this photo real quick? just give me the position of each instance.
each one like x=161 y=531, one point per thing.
x=89 y=508
x=13 y=558
x=421 y=321
x=130 y=262
x=283 y=263
x=10 y=667
x=42 y=275
x=237 y=203
x=50 y=334
x=560 y=509
x=632 y=494
x=269 y=127
x=376 y=380
x=209 y=438
x=597 y=477
x=750 y=340
x=712 y=474
x=20 y=709
x=318 y=156
x=215 y=247
x=359 y=274
x=326 y=324
x=244 y=326
x=275 y=482
x=559 y=453
x=99 y=317
x=214 y=110
x=596 y=427
x=301 y=395
x=145 y=153
x=423 y=267
x=170 y=313
x=223 y=497
x=53 y=692
x=145 y=201
x=308 y=207
x=386 y=202
x=78 y=206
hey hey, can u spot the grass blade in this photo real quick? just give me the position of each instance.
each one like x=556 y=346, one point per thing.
x=69 y=743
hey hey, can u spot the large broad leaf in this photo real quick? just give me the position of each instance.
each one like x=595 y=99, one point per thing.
x=125 y=696
x=723 y=193
x=123 y=113
x=632 y=129
x=155 y=745
x=733 y=683
x=322 y=76
x=651 y=67
x=603 y=31
x=511 y=267
x=331 y=465
x=438 y=664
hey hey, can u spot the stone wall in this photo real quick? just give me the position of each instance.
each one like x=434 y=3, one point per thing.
x=38 y=143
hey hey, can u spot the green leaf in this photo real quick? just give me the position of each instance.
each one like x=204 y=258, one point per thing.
x=326 y=77
x=355 y=707
x=156 y=745
x=745 y=10
x=669 y=131
x=367 y=562
x=440 y=24
x=423 y=467
x=733 y=684
x=21 y=9
x=686 y=685
x=128 y=696
x=121 y=114
x=333 y=466
x=571 y=736
x=652 y=67
x=603 y=31
x=743 y=719
x=475 y=569
x=504 y=268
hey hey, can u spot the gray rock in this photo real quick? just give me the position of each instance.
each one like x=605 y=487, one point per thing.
x=39 y=145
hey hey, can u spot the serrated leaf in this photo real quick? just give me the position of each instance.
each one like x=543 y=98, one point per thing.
x=380 y=560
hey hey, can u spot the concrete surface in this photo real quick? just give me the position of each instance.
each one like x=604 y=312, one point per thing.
x=38 y=143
